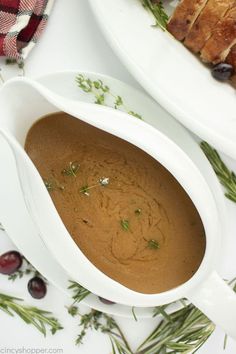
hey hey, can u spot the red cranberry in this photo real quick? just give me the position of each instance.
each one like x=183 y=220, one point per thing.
x=10 y=262
x=105 y=301
x=37 y=288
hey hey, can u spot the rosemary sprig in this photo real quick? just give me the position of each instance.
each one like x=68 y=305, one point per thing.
x=40 y=319
x=101 y=92
x=124 y=224
x=158 y=11
x=72 y=169
x=226 y=177
x=183 y=331
x=79 y=292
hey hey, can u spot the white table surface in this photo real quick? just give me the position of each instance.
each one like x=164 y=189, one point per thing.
x=72 y=40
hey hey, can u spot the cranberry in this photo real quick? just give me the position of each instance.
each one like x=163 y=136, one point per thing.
x=10 y=262
x=222 y=71
x=105 y=301
x=37 y=288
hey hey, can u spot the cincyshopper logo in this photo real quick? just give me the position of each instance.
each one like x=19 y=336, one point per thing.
x=24 y=350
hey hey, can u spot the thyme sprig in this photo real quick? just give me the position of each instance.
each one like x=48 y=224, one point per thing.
x=72 y=169
x=103 y=181
x=226 y=177
x=53 y=185
x=158 y=11
x=27 y=270
x=101 y=92
x=34 y=316
x=99 y=321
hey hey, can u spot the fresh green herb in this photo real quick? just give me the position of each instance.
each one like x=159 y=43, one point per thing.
x=84 y=190
x=124 y=224
x=1 y=77
x=226 y=177
x=101 y=92
x=184 y=331
x=73 y=310
x=1 y=227
x=19 y=62
x=103 y=181
x=134 y=314
x=30 y=315
x=158 y=11
x=96 y=320
x=138 y=211
x=72 y=169
x=153 y=244
x=53 y=185
x=27 y=270
x=79 y=292
x=161 y=310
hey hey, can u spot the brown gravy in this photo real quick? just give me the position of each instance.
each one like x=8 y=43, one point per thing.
x=124 y=210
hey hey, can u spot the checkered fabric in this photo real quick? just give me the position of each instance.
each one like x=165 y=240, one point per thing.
x=21 y=24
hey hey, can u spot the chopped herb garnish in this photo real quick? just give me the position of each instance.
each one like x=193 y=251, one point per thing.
x=72 y=169
x=137 y=211
x=84 y=190
x=103 y=181
x=52 y=185
x=124 y=224
x=153 y=244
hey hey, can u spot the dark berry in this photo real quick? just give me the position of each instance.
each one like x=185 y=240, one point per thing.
x=222 y=71
x=37 y=288
x=10 y=262
x=105 y=301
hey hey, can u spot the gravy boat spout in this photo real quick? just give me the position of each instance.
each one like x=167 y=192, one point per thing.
x=22 y=103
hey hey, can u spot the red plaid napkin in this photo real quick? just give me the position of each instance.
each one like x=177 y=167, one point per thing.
x=21 y=23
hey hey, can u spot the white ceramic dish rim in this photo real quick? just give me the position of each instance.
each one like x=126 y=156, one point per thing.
x=195 y=125
x=210 y=220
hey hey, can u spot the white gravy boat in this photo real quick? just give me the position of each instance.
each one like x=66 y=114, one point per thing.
x=22 y=102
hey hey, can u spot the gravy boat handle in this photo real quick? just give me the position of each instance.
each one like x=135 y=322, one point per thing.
x=217 y=301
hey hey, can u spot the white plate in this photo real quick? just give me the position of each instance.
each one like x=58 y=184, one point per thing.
x=34 y=249
x=169 y=72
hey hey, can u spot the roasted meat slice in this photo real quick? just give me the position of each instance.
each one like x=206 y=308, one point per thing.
x=204 y=25
x=184 y=17
x=222 y=39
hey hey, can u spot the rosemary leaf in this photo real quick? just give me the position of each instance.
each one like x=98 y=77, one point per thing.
x=158 y=12
x=226 y=177
x=79 y=292
x=30 y=315
x=183 y=331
